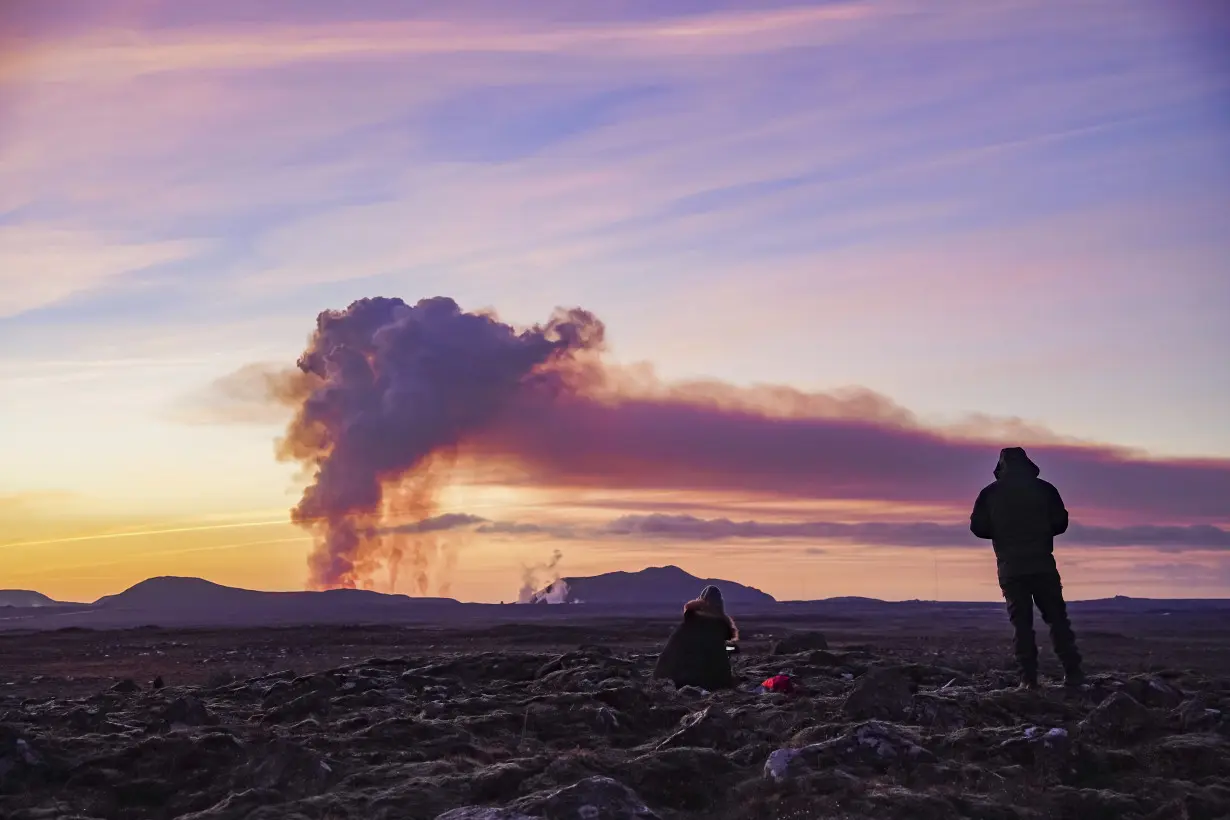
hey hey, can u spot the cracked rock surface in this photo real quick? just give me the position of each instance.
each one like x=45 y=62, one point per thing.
x=553 y=722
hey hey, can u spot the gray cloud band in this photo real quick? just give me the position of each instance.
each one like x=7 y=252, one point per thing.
x=900 y=534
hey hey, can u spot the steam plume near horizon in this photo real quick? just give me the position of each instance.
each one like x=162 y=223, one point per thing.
x=531 y=580
x=389 y=397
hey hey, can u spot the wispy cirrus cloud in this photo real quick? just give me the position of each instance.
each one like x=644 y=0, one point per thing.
x=43 y=265
x=106 y=57
x=908 y=534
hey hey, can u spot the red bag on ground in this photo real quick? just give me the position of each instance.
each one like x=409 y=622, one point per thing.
x=782 y=684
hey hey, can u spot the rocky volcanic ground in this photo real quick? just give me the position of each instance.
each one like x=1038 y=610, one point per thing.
x=563 y=723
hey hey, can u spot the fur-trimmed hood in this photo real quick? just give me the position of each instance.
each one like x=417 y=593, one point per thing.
x=702 y=609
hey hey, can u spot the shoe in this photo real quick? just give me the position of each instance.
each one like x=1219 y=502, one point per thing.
x=1074 y=680
x=1029 y=684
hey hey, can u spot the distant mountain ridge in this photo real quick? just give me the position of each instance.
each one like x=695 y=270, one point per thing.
x=197 y=598
x=652 y=585
x=653 y=592
x=26 y=598
x=179 y=592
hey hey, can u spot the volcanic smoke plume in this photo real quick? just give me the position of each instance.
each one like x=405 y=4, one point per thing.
x=388 y=396
x=390 y=392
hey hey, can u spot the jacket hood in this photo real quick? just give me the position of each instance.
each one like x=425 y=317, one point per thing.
x=1014 y=460
x=699 y=608
x=702 y=607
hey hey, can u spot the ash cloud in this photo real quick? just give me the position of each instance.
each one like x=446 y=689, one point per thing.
x=675 y=444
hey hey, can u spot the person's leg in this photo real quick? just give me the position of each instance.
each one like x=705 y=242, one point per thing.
x=1048 y=593
x=1019 y=598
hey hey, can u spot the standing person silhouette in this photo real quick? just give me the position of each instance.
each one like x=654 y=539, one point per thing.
x=1021 y=514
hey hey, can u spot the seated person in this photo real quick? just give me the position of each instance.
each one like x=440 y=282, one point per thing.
x=696 y=653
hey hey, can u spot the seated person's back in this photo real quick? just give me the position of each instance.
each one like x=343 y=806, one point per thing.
x=695 y=654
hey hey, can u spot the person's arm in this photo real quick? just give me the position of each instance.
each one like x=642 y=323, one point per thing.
x=980 y=518
x=1058 y=512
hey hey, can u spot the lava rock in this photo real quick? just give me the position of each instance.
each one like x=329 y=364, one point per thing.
x=475 y=813
x=187 y=711
x=687 y=778
x=883 y=693
x=1151 y=690
x=708 y=728
x=292 y=770
x=934 y=712
x=498 y=781
x=823 y=657
x=1196 y=716
x=594 y=798
x=20 y=762
x=1119 y=717
x=127 y=686
x=873 y=742
x=796 y=642
x=1092 y=804
x=312 y=703
x=1196 y=755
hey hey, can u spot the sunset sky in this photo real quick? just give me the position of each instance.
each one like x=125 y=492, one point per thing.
x=946 y=226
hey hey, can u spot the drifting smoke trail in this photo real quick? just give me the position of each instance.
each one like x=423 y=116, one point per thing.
x=389 y=392
x=389 y=396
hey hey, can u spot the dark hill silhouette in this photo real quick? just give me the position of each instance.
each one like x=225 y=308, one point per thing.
x=175 y=592
x=653 y=585
x=656 y=592
x=172 y=600
x=25 y=598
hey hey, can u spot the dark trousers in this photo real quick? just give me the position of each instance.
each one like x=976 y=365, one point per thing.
x=1045 y=591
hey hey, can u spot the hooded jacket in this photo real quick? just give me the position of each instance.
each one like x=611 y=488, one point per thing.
x=1021 y=514
x=695 y=653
